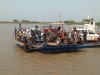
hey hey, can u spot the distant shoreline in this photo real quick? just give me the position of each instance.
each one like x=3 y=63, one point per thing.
x=19 y=23
x=32 y=23
x=48 y=23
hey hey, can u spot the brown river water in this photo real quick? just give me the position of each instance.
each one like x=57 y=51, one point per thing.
x=15 y=61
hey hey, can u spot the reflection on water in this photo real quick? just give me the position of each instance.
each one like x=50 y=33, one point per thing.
x=15 y=61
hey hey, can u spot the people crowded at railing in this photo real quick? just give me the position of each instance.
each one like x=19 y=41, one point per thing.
x=72 y=37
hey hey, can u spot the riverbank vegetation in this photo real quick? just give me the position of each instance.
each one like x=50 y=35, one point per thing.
x=67 y=22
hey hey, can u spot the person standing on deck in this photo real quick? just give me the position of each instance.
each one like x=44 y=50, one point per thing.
x=15 y=31
x=71 y=35
x=36 y=30
x=50 y=27
x=44 y=37
x=59 y=28
x=20 y=33
x=75 y=35
x=33 y=38
x=84 y=37
x=39 y=37
x=19 y=26
x=27 y=31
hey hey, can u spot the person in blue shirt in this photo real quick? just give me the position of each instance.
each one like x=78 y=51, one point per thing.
x=39 y=37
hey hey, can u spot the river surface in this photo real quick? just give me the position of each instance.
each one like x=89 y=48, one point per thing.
x=15 y=61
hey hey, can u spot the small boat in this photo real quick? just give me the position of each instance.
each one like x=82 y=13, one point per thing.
x=57 y=44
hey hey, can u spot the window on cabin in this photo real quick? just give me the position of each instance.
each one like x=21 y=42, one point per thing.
x=84 y=31
x=90 y=32
x=91 y=22
x=88 y=22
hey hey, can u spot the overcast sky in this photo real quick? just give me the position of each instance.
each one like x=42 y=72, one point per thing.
x=49 y=10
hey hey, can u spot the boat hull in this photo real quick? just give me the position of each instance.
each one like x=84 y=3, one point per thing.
x=47 y=47
x=54 y=47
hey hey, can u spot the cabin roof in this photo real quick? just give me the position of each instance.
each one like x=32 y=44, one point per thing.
x=89 y=19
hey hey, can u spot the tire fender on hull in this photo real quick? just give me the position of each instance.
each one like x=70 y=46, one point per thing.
x=27 y=47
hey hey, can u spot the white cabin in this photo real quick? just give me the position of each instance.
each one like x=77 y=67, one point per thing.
x=89 y=28
x=89 y=24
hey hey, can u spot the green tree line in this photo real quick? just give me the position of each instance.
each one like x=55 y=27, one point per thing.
x=24 y=21
x=69 y=22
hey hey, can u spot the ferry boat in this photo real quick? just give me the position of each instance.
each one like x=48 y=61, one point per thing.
x=59 y=42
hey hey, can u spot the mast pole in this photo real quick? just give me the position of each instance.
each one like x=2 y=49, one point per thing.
x=60 y=17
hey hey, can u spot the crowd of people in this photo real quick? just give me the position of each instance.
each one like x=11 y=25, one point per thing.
x=26 y=35
x=76 y=37
x=72 y=37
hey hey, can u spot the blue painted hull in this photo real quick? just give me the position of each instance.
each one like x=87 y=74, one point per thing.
x=47 y=47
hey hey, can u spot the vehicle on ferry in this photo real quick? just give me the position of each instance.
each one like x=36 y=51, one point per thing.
x=90 y=35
